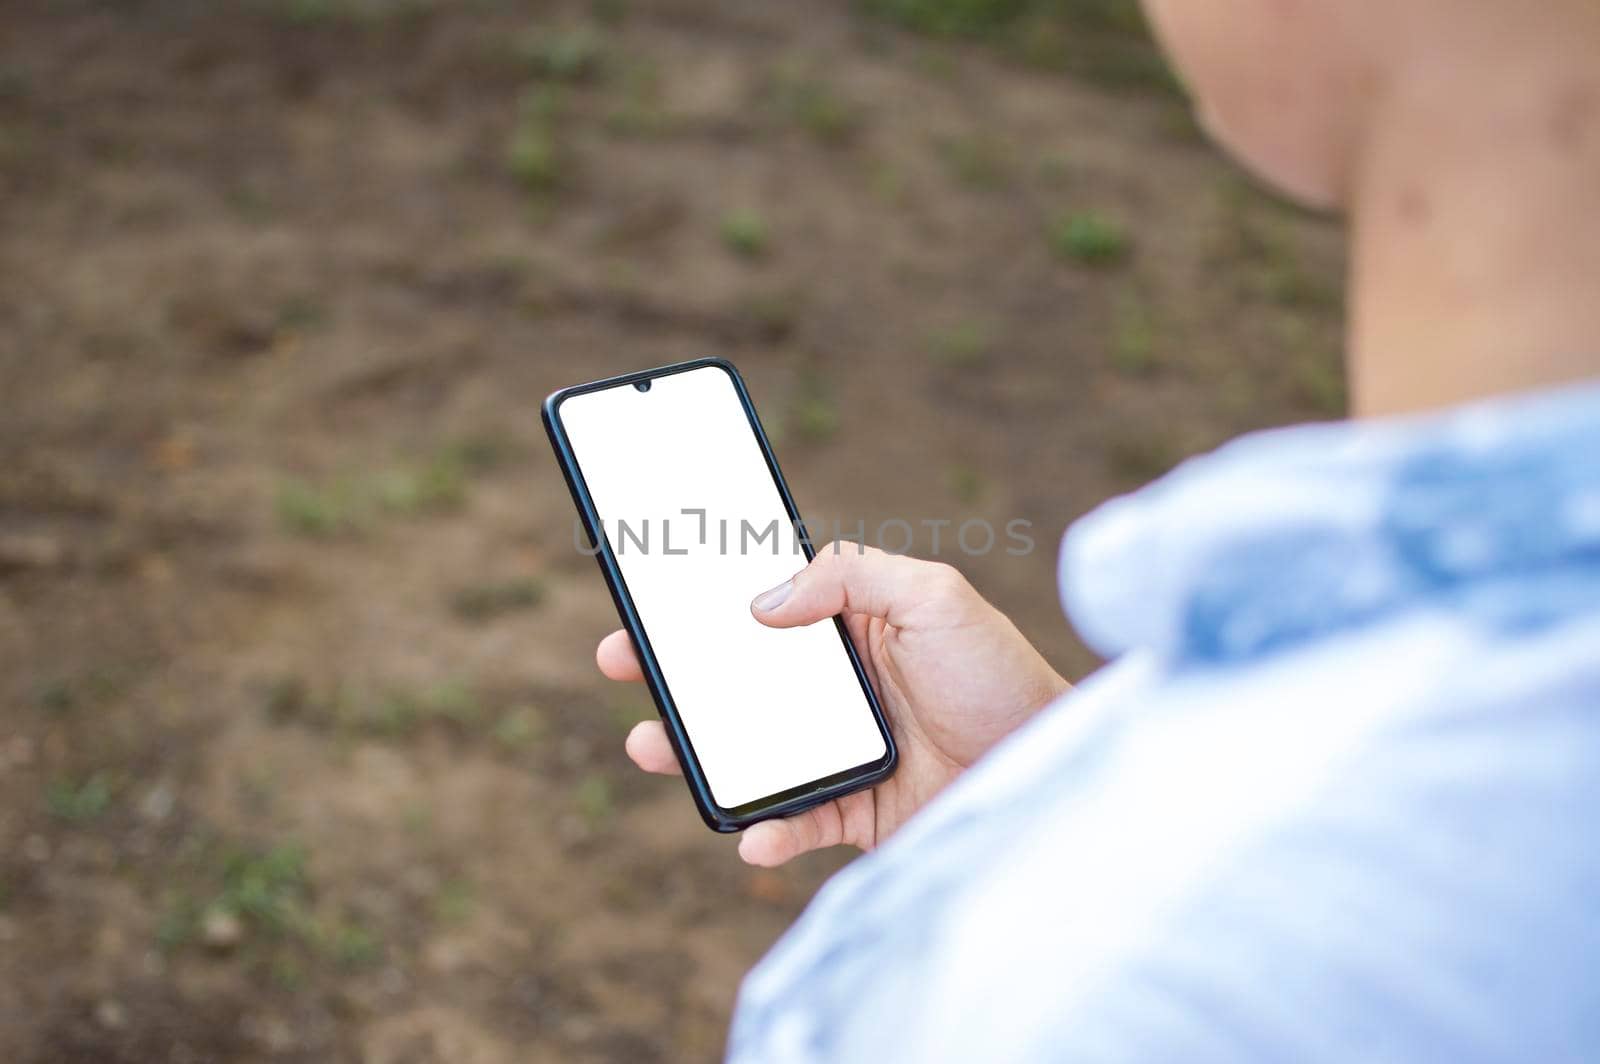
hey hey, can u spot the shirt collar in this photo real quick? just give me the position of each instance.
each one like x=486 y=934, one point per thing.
x=1290 y=534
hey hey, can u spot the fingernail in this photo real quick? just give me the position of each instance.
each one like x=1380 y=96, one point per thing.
x=771 y=600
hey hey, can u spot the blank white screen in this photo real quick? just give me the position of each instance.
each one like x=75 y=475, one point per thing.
x=766 y=709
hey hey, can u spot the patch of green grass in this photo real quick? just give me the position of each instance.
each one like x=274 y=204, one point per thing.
x=1319 y=381
x=436 y=485
x=1290 y=284
x=745 y=232
x=518 y=728
x=314 y=13
x=400 y=711
x=573 y=53
x=815 y=106
x=1105 y=42
x=180 y=920
x=594 y=800
x=535 y=155
x=260 y=898
x=16 y=146
x=251 y=204
x=266 y=889
x=637 y=112
x=350 y=944
x=965 y=483
x=964 y=344
x=937 y=64
x=56 y=697
x=1273 y=263
x=79 y=803
x=351 y=504
x=1088 y=237
x=1239 y=392
x=309 y=12
x=950 y=17
x=813 y=414
x=14 y=84
x=484 y=602
x=977 y=160
x=308 y=509
x=385 y=711
x=1258 y=238
x=455 y=902
x=302 y=314
x=888 y=183
x=287 y=972
x=1133 y=336
x=1055 y=168
x=1272 y=257
x=98 y=683
x=1180 y=123
x=417 y=818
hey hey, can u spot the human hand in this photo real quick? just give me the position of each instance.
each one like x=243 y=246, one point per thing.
x=953 y=674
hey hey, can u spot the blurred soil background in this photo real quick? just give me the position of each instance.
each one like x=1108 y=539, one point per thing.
x=302 y=753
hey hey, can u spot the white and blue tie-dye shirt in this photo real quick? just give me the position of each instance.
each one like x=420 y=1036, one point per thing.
x=1337 y=798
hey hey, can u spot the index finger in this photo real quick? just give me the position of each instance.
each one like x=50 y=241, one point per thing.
x=616 y=658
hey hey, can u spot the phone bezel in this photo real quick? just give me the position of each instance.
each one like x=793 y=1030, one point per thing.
x=783 y=803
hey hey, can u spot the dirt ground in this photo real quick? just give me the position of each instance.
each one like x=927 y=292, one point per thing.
x=302 y=754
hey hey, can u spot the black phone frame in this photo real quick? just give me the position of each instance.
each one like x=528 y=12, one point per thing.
x=783 y=803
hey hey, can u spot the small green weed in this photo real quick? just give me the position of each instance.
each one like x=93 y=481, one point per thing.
x=56 y=697
x=964 y=344
x=1319 y=380
x=352 y=504
x=79 y=803
x=455 y=902
x=576 y=53
x=267 y=889
x=1133 y=337
x=638 y=111
x=815 y=106
x=401 y=711
x=518 y=728
x=309 y=509
x=888 y=183
x=1104 y=42
x=813 y=414
x=436 y=485
x=594 y=800
x=349 y=944
x=745 y=232
x=535 y=155
x=965 y=483
x=1088 y=237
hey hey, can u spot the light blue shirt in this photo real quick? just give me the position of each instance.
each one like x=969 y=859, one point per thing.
x=1336 y=799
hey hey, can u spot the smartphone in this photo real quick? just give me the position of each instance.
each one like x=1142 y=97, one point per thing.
x=689 y=517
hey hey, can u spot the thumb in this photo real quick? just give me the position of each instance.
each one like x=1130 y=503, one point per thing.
x=859 y=579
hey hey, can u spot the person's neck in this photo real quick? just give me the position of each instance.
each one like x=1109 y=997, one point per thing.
x=1475 y=212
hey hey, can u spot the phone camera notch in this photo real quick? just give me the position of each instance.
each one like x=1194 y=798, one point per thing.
x=643 y=386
